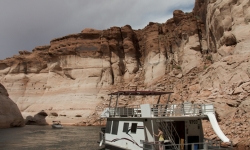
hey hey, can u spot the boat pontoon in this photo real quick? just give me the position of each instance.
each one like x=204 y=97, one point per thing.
x=134 y=127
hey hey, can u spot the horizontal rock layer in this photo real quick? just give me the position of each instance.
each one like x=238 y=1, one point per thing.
x=202 y=56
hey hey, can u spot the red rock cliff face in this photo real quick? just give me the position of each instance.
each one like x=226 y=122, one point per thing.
x=69 y=76
x=202 y=56
x=227 y=34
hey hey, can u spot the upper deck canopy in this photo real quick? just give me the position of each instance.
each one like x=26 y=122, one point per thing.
x=139 y=93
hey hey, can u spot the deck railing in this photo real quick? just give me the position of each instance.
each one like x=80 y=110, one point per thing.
x=215 y=142
x=160 y=110
x=191 y=146
x=129 y=111
x=185 y=109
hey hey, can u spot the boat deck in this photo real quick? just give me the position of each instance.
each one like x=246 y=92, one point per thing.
x=160 y=111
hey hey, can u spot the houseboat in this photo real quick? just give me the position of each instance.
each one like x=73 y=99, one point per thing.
x=159 y=126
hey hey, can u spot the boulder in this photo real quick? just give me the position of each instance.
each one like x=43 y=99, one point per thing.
x=10 y=115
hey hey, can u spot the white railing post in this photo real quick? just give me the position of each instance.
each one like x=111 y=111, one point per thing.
x=205 y=146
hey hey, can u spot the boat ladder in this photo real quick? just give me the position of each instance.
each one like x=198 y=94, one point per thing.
x=169 y=133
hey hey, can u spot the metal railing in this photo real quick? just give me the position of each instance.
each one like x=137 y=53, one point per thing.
x=131 y=111
x=216 y=143
x=101 y=136
x=190 y=146
x=212 y=142
x=160 y=110
x=185 y=109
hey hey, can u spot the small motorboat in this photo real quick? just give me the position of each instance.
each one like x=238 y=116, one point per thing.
x=57 y=125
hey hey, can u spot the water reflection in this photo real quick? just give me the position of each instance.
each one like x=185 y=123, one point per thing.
x=46 y=138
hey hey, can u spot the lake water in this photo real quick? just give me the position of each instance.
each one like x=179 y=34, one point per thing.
x=46 y=138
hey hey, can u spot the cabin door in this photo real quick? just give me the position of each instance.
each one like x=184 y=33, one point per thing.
x=180 y=128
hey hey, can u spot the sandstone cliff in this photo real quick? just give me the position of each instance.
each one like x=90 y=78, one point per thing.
x=226 y=82
x=202 y=56
x=10 y=115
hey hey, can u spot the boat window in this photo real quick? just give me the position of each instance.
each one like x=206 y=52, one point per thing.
x=133 y=127
x=115 y=127
x=108 y=126
x=125 y=127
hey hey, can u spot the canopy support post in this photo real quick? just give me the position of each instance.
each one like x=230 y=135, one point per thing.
x=166 y=107
x=116 y=103
x=159 y=99
x=110 y=103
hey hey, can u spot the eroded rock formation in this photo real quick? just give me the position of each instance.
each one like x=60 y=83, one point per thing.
x=10 y=115
x=226 y=81
x=203 y=56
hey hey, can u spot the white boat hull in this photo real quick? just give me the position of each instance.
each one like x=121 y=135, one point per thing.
x=57 y=126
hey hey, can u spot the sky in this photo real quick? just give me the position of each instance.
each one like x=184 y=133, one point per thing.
x=26 y=24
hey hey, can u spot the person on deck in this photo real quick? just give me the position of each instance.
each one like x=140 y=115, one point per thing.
x=161 y=139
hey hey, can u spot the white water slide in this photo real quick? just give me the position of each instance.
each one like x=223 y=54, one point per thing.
x=208 y=109
x=216 y=127
x=215 y=124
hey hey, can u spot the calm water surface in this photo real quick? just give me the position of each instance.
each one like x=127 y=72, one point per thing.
x=46 y=138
